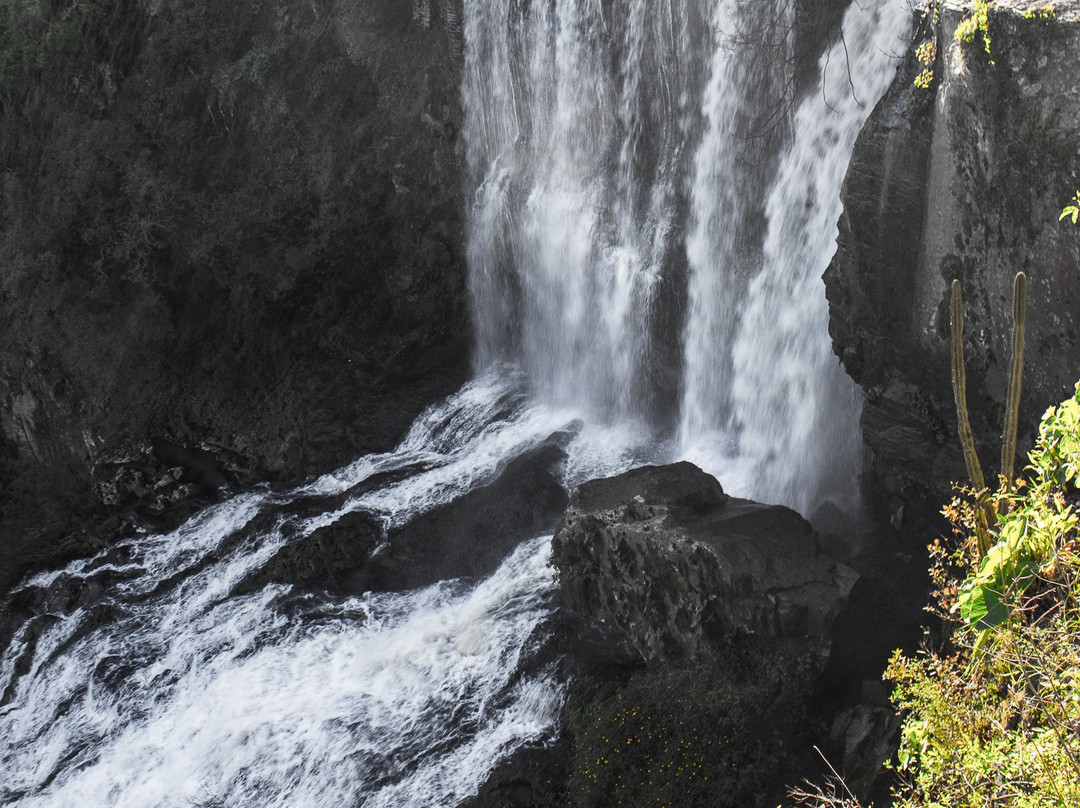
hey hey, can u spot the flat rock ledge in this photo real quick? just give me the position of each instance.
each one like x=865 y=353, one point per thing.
x=669 y=563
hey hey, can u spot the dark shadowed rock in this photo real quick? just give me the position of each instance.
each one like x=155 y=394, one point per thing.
x=964 y=179
x=332 y=556
x=471 y=536
x=662 y=557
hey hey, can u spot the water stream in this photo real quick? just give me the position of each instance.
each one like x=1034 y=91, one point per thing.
x=650 y=211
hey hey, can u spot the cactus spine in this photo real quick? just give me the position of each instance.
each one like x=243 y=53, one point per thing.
x=1016 y=369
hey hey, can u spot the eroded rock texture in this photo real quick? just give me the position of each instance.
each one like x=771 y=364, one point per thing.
x=667 y=561
x=964 y=179
x=228 y=223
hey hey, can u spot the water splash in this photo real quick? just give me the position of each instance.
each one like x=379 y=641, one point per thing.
x=596 y=133
x=144 y=677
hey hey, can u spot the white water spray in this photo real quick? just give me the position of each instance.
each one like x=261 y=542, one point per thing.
x=596 y=131
x=790 y=432
x=576 y=125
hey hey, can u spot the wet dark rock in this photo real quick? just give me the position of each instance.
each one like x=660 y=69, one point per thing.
x=329 y=557
x=533 y=777
x=467 y=538
x=865 y=736
x=158 y=487
x=472 y=535
x=258 y=265
x=664 y=559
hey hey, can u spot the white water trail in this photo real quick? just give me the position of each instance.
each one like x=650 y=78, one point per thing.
x=168 y=687
x=576 y=120
x=791 y=434
x=743 y=112
x=797 y=411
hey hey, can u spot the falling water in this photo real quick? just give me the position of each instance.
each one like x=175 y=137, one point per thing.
x=613 y=165
x=743 y=110
x=150 y=675
x=650 y=212
x=578 y=115
x=782 y=415
x=795 y=410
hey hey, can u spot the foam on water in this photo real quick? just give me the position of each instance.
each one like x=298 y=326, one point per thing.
x=168 y=687
x=157 y=674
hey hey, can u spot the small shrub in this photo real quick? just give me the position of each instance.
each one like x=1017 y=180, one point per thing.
x=1072 y=210
x=994 y=712
x=927 y=55
x=976 y=28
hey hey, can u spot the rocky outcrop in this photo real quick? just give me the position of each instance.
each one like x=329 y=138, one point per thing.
x=472 y=535
x=664 y=559
x=466 y=538
x=231 y=223
x=693 y=628
x=964 y=178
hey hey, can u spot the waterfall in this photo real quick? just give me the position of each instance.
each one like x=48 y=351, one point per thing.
x=766 y=404
x=612 y=165
x=651 y=206
x=164 y=684
x=578 y=116
x=796 y=411
x=743 y=110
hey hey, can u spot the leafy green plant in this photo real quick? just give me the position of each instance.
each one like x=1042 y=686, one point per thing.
x=926 y=54
x=1045 y=13
x=992 y=714
x=1071 y=211
x=976 y=27
x=1030 y=526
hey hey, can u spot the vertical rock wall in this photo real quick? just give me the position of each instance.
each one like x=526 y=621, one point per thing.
x=229 y=222
x=962 y=179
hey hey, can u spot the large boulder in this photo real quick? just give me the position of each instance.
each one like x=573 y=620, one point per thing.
x=667 y=561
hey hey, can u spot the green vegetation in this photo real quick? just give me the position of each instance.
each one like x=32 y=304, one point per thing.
x=927 y=52
x=992 y=701
x=1045 y=13
x=927 y=55
x=993 y=712
x=1071 y=211
x=976 y=28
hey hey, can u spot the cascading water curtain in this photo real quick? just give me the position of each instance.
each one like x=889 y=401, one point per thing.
x=640 y=179
x=795 y=410
x=766 y=405
x=577 y=118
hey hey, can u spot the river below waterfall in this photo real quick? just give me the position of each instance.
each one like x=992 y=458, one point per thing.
x=611 y=152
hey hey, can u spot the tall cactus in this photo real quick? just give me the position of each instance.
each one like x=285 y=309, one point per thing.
x=1016 y=369
x=959 y=383
x=959 y=380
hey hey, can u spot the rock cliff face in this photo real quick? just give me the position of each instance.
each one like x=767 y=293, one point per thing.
x=673 y=566
x=237 y=224
x=963 y=179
